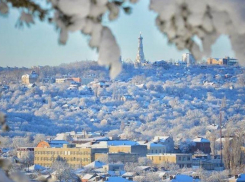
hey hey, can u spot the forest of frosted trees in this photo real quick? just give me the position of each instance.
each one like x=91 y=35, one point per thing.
x=174 y=100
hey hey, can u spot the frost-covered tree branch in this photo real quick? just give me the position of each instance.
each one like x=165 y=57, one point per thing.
x=77 y=15
x=182 y=20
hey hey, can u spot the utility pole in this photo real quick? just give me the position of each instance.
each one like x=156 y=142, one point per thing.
x=220 y=122
x=223 y=105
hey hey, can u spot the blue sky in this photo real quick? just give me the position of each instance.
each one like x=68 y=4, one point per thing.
x=38 y=45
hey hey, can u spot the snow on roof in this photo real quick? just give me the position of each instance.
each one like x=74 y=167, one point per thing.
x=213 y=127
x=57 y=143
x=116 y=173
x=161 y=174
x=241 y=177
x=88 y=176
x=121 y=142
x=36 y=167
x=117 y=179
x=183 y=178
x=34 y=74
x=95 y=164
x=79 y=171
x=60 y=136
x=224 y=139
x=161 y=138
x=154 y=144
x=129 y=174
x=140 y=85
x=143 y=167
x=202 y=140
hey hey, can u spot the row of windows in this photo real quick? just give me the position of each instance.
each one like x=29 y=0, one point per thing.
x=184 y=158
x=63 y=152
x=158 y=151
x=179 y=158
x=71 y=165
x=67 y=159
x=182 y=165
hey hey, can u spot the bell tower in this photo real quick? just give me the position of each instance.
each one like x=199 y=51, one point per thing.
x=140 y=58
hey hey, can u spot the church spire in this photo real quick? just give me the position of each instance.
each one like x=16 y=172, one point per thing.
x=140 y=58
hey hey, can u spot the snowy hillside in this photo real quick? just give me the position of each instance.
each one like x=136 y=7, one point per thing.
x=139 y=104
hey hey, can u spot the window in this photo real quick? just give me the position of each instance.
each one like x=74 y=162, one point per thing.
x=179 y=158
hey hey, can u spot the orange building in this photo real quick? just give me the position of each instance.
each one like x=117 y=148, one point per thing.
x=43 y=144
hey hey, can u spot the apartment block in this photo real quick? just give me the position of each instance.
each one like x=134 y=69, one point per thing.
x=183 y=160
x=75 y=157
x=141 y=150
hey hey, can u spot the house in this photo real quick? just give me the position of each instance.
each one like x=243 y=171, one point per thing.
x=160 y=63
x=113 y=167
x=206 y=162
x=116 y=179
x=224 y=140
x=182 y=178
x=213 y=127
x=70 y=80
x=145 y=168
x=201 y=144
x=87 y=177
x=29 y=78
x=163 y=175
x=167 y=141
x=154 y=147
x=129 y=175
x=222 y=61
x=5 y=87
x=94 y=165
x=73 y=86
x=126 y=98
x=99 y=84
x=236 y=178
x=35 y=167
x=23 y=152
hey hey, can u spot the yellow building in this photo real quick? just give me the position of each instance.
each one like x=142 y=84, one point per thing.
x=183 y=160
x=215 y=61
x=29 y=78
x=141 y=150
x=76 y=157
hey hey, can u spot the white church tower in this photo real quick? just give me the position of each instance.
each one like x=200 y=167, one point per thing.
x=140 y=58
